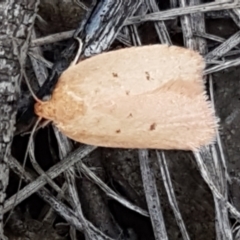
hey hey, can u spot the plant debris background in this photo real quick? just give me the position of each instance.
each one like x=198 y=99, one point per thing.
x=119 y=169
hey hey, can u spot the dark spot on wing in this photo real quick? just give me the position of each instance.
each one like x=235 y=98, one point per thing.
x=130 y=115
x=147 y=76
x=152 y=127
x=115 y=74
x=118 y=131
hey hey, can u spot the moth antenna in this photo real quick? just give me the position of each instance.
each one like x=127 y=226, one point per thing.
x=41 y=172
x=74 y=62
x=24 y=163
x=30 y=89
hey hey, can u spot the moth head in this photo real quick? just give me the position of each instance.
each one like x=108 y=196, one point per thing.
x=60 y=109
x=45 y=110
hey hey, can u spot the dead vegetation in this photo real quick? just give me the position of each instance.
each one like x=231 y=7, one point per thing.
x=74 y=191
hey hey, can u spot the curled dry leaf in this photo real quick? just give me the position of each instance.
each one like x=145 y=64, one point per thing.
x=139 y=97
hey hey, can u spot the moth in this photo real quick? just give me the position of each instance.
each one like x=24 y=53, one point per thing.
x=139 y=97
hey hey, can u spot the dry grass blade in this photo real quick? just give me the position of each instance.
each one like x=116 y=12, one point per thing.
x=41 y=172
x=36 y=57
x=209 y=36
x=68 y=214
x=223 y=226
x=104 y=221
x=50 y=215
x=169 y=14
x=39 y=69
x=152 y=197
x=170 y=192
x=57 y=37
x=53 y=172
x=225 y=47
x=189 y=42
x=222 y=221
x=89 y=230
x=160 y=26
x=198 y=25
x=207 y=177
x=45 y=195
x=235 y=15
x=222 y=66
x=109 y=192
x=212 y=162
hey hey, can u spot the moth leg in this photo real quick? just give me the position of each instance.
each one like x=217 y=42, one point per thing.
x=44 y=124
x=40 y=125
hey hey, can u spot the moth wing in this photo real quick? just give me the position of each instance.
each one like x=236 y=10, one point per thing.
x=133 y=71
x=179 y=118
x=144 y=97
